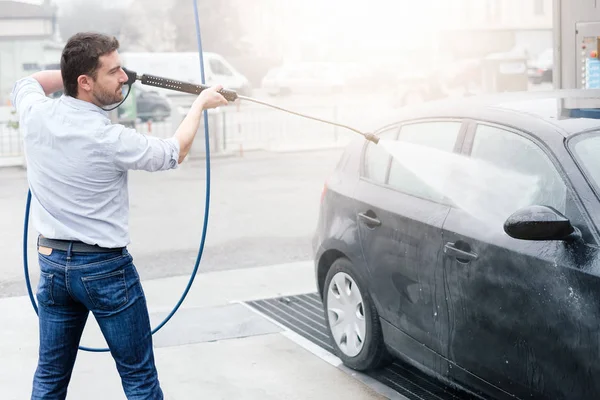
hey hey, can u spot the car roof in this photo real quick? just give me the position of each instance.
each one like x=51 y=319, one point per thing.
x=528 y=111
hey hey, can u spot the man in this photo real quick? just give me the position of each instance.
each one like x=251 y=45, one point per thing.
x=77 y=163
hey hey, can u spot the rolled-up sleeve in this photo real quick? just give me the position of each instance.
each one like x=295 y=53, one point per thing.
x=25 y=93
x=134 y=150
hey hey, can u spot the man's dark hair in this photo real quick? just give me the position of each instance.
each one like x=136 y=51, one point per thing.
x=81 y=56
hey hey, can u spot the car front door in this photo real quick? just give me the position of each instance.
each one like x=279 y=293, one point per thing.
x=400 y=222
x=523 y=315
x=221 y=74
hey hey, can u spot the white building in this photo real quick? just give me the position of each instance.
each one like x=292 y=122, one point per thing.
x=478 y=27
x=28 y=42
x=337 y=28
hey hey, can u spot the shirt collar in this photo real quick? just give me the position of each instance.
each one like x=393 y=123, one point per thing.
x=82 y=104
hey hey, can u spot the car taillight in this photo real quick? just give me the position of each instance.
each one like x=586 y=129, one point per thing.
x=323 y=192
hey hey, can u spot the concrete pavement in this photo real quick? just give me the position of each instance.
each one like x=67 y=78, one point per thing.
x=215 y=347
x=263 y=211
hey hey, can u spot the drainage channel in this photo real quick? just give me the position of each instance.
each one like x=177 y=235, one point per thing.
x=303 y=314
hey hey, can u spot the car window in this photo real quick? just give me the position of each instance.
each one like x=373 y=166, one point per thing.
x=218 y=68
x=440 y=135
x=586 y=149
x=377 y=160
x=513 y=152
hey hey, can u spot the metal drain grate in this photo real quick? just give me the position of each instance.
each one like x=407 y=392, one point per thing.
x=304 y=315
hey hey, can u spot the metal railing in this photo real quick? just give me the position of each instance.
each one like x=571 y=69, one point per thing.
x=237 y=128
x=10 y=139
x=11 y=144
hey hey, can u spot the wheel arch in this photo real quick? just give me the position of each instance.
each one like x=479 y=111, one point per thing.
x=325 y=262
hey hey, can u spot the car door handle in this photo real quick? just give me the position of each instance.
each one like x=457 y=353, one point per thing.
x=369 y=221
x=461 y=255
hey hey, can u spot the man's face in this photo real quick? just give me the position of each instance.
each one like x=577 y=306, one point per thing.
x=110 y=77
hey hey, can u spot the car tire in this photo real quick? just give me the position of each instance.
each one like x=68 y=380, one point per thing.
x=159 y=113
x=536 y=81
x=369 y=352
x=245 y=91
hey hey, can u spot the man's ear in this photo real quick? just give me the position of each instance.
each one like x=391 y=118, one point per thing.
x=85 y=82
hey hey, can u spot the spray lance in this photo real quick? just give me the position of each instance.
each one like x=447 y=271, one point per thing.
x=230 y=95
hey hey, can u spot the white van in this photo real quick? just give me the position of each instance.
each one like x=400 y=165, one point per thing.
x=185 y=66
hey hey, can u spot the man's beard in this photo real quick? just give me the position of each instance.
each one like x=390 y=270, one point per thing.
x=106 y=98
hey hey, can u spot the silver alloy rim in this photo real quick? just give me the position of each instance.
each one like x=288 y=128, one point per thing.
x=346 y=313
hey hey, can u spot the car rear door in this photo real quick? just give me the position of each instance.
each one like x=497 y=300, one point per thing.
x=400 y=220
x=523 y=315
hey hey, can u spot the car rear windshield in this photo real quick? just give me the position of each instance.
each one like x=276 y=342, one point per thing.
x=586 y=148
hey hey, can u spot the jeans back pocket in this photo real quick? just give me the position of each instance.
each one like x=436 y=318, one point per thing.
x=44 y=290
x=107 y=291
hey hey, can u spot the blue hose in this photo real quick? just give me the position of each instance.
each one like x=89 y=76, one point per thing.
x=206 y=210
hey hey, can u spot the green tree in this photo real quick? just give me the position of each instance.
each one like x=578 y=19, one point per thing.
x=97 y=16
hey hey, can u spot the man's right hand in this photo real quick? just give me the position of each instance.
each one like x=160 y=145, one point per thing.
x=210 y=98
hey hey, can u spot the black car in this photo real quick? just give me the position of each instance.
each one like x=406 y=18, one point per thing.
x=504 y=310
x=540 y=70
x=150 y=105
x=420 y=84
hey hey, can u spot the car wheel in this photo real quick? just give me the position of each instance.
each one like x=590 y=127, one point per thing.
x=160 y=113
x=245 y=91
x=536 y=81
x=352 y=319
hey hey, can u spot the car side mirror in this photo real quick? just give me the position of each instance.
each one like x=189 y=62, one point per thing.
x=540 y=223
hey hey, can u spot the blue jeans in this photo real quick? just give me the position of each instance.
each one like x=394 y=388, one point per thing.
x=108 y=285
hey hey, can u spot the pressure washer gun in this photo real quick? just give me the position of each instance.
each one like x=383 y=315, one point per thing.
x=230 y=95
x=172 y=84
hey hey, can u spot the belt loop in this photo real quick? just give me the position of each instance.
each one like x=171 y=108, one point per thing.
x=124 y=251
x=69 y=251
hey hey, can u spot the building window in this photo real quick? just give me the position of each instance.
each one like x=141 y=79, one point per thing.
x=538 y=7
x=493 y=10
x=468 y=11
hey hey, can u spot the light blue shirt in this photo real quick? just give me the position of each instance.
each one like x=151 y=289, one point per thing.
x=77 y=163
